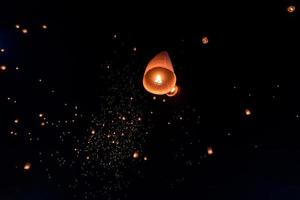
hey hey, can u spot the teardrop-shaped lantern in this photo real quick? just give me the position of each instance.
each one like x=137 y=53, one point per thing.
x=159 y=77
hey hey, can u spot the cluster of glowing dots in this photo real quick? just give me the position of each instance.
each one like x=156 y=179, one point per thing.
x=41 y=116
x=137 y=155
x=25 y=30
x=291 y=9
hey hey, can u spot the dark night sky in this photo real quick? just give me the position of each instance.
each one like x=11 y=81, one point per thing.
x=83 y=75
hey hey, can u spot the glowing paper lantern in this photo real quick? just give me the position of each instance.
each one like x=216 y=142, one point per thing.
x=159 y=77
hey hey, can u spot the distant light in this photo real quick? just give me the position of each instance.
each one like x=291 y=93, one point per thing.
x=43 y=123
x=16 y=121
x=44 y=26
x=3 y=67
x=136 y=154
x=145 y=158
x=24 y=30
x=2 y=50
x=134 y=49
x=204 y=40
x=17 y=26
x=41 y=115
x=27 y=166
x=291 y=9
x=247 y=112
x=210 y=151
x=93 y=131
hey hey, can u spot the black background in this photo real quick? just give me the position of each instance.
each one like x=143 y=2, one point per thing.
x=253 y=45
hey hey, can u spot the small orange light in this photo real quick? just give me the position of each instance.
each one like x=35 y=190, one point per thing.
x=247 y=112
x=291 y=9
x=24 y=30
x=205 y=40
x=210 y=151
x=27 y=166
x=136 y=154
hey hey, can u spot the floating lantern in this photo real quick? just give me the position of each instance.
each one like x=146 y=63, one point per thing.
x=159 y=77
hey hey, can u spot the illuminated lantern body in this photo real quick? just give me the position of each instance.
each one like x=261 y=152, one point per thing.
x=159 y=77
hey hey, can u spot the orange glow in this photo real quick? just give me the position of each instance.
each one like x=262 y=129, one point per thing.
x=3 y=68
x=27 y=166
x=204 y=40
x=173 y=91
x=291 y=9
x=24 y=30
x=247 y=112
x=159 y=77
x=136 y=154
x=210 y=151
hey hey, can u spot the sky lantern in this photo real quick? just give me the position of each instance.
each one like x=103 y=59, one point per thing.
x=27 y=166
x=159 y=77
x=210 y=151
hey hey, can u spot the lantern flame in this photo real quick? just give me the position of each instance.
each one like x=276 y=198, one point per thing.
x=158 y=79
